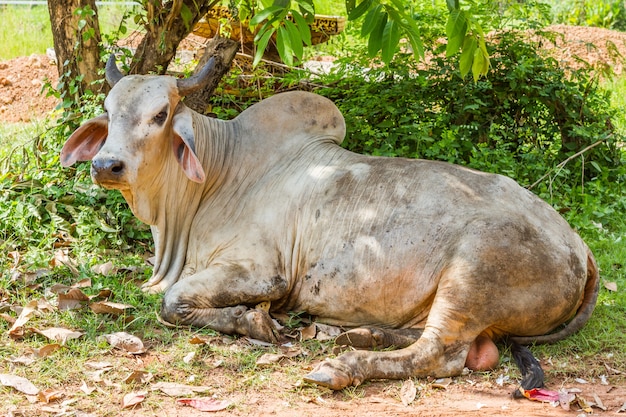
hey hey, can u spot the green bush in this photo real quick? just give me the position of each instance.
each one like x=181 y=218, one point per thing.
x=528 y=113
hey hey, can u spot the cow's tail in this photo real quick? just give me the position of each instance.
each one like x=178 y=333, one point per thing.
x=582 y=315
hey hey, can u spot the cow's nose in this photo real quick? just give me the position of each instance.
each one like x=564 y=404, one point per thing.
x=107 y=169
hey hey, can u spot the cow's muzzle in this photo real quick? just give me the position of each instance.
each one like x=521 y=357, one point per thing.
x=107 y=170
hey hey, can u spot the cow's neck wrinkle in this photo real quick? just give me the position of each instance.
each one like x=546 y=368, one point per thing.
x=174 y=210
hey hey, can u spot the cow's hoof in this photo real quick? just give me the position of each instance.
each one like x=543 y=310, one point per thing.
x=361 y=338
x=257 y=324
x=331 y=374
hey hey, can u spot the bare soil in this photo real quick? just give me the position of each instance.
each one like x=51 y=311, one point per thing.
x=21 y=100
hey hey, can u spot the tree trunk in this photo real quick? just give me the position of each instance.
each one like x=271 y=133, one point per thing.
x=223 y=50
x=76 y=35
x=165 y=29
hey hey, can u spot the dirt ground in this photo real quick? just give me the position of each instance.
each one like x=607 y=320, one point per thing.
x=21 y=80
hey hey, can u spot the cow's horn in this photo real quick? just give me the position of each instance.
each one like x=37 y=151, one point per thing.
x=112 y=72
x=199 y=80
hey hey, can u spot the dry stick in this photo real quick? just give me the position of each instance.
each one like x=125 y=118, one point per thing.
x=562 y=164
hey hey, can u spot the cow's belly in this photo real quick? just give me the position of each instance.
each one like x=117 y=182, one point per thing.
x=362 y=284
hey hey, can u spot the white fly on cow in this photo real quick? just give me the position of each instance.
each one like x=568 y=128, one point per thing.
x=433 y=258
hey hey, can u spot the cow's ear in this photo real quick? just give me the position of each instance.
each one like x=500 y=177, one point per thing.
x=86 y=141
x=184 y=145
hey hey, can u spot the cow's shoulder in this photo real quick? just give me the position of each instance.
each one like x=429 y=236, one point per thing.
x=295 y=114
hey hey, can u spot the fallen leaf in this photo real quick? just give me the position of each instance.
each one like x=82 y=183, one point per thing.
x=44 y=306
x=58 y=334
x=17 y=330
x=200 y=340
x=72 y=299
x=540 y=394
x=598 y=402
x=133 y=398
x=327 y=332
x=61 y=258
x=105 y=269
x=178 y=390
x=442 y=383
x=22 y=360
x=46 y=350
x=308 y=332
x=611 y=286
x=268 y=359
x=622 y=409
x=189 y=357
x=138 y=377
x=408 y=392
x=204 y=404
x=87 y=389
x=99 y=365
x=126 y=342
x=565 y=399
x=48 y=395
x=108 y=307
x=21 y=384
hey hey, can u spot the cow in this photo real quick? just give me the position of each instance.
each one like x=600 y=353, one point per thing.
x=436 y=259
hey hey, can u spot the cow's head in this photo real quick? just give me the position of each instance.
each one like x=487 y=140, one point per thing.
x=144 y=126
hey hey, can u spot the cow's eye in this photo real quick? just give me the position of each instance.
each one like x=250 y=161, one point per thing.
x=160 y=117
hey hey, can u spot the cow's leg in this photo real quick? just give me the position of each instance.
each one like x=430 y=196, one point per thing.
x=428 y=356
x=218 y=297
x=377 y=338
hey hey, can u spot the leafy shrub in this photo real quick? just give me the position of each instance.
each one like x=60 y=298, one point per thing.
x=43 y=207
x=528 y=110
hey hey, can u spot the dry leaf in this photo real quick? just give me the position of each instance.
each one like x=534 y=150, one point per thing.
x=48 y=395
x=133 y=398
x=17 y=330
x=19 y=383
x=72 y=299
x=108 y=307
x=200 y=340
x=105 y=269
x=138 y=377
x=622 y=409
x=87 y=389
x=178 y=390
x=99 y=365
x=327 y=332
x=46 y=350
x=204 y=404
x=189 y=357
x=308 y=332
x=442 y=383
x=269 y=358
x=408 y=392
x=611 y=286
x=598 y=403
x=62 y=258
x=58 y=334
x=22 y=360
x=126 y=342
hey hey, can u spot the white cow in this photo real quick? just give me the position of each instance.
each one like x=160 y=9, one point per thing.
x=435 y=258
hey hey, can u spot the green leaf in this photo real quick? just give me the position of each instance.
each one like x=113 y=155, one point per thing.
x=456 y=28
x=264 y=14
x=350 y=5
x=303 y=27
x=467 y=56
x=453 y=4
x=375 y=41
x=360 y=10
x=295 y=39
x=480 y=66
x=307 y=9
x=371 y=20
x=283 y=44
x=407 y=23
x=262 y=44
x=186 y=14
x=391 y=38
